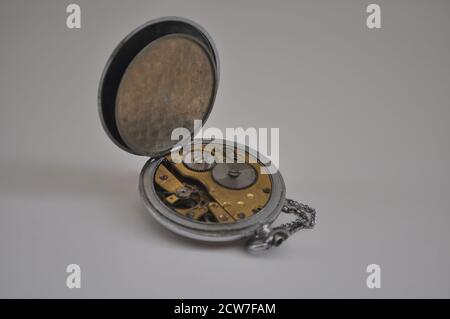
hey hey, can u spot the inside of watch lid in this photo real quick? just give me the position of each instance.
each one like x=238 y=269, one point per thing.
x=169 y=84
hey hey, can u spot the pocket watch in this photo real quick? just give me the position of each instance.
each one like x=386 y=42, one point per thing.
x=162 y=76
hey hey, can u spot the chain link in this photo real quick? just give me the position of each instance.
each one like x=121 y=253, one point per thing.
x=306 y=216
x=267 y=237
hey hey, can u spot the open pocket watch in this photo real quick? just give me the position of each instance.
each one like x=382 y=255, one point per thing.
x=162 y=76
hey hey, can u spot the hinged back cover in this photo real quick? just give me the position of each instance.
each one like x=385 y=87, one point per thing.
x=162 y=76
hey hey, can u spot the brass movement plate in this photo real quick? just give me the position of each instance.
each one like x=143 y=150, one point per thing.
x=209 y=197
x=169 y=84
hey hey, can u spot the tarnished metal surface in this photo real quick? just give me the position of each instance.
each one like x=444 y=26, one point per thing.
x=169 y=84
x=226 y=204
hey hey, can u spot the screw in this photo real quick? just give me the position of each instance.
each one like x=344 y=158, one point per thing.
x=163 y=177
x=266 y=190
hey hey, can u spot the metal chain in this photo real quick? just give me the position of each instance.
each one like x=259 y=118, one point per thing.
x=306 y=216
x=267 y=237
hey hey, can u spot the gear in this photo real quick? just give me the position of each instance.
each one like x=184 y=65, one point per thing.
x=199 y=161
x=234 y=175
